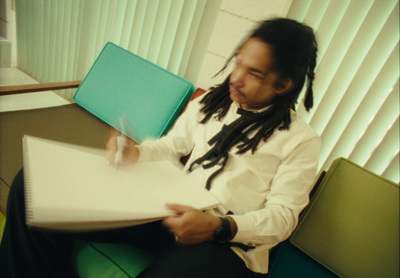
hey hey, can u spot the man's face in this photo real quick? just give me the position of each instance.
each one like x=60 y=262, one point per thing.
x=252 y=84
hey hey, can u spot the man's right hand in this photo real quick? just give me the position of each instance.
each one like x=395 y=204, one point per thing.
x=130 y=153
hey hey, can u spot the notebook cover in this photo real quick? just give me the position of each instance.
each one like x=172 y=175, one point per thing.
x=91 y=195
x=121 y=84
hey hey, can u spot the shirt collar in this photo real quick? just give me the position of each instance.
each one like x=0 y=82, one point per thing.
x=237 y=106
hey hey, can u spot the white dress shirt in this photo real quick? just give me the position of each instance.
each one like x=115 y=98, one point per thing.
x=265 y=191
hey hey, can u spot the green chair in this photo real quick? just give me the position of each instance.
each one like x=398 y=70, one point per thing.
x=99 y=260
x=351 y=227
x=287 y=261
x=118 y=82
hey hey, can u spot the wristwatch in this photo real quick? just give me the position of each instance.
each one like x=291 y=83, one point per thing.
x=224 y=233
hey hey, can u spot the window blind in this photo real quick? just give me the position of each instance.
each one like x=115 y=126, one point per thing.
x=59 y=40
x=356 y=91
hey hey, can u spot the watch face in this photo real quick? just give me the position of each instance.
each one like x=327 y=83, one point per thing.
x=224 y=234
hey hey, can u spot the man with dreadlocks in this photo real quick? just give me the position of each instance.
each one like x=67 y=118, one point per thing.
x=249 y=147
x=251 y=151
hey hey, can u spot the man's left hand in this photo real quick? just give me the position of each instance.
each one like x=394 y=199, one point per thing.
x=191 y=226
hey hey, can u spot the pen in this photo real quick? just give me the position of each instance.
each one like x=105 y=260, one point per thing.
x=121 y=140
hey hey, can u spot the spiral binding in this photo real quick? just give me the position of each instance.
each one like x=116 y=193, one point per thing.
x=27 y=175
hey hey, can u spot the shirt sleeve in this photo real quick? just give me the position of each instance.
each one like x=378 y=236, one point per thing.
x=289 y=194
x=179 y=140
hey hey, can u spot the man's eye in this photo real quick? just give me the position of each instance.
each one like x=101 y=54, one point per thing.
x=256 y=75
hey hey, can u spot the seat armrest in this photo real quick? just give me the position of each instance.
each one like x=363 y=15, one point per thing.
x=31 y=88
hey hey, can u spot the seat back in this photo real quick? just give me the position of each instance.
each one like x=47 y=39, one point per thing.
x=122 y=85
x=352 y=224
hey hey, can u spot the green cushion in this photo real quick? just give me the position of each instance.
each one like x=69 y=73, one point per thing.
x=352 y=224
x=2 y=225
x=121 y=84
x=286 y=261
x=106 y=260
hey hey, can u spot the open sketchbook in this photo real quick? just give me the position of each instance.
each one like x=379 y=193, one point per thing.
x=73 y=188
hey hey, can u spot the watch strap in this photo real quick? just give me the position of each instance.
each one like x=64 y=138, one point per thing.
x=224 y=233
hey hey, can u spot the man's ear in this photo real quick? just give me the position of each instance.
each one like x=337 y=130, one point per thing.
x=283 y=86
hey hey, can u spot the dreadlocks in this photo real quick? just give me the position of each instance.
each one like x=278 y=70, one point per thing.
x=294 y=49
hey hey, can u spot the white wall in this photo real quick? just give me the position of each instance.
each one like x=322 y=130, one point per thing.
x=235 y=20
x=7 y=28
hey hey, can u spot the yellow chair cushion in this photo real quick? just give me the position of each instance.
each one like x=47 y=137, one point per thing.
x=352 y=224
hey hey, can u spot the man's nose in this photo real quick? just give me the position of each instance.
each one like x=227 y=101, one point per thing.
x=237 y=77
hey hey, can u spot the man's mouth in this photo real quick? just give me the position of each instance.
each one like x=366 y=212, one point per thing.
x=234 y=91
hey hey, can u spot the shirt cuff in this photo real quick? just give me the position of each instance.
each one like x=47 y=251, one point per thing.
x=244 y=228
x=144 y=153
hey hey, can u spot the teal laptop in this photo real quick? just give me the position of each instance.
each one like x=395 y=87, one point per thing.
x=123 y=87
